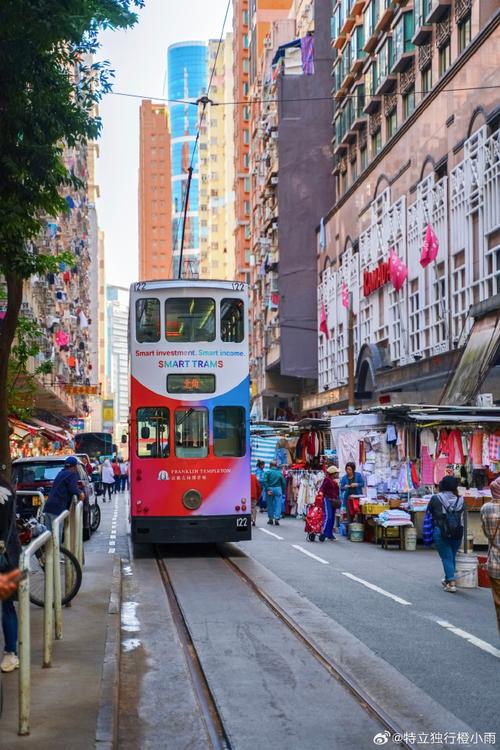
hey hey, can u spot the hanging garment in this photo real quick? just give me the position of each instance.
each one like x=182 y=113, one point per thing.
x=476 y=449
x=455 y=450
x=427 y=466
x=494 y=446
x=440 y=468
x=391 y=435
x=428 y=439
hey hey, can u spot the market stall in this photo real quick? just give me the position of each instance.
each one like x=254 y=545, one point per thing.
x=403 y=452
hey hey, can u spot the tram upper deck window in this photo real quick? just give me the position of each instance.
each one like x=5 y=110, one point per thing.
x=190 y=319
x=147 y=320
x=232 y=322
x=229 y=431
x=153 y=432
x=191 y=433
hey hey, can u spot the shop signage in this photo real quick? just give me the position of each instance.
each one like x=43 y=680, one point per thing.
x=77 y=424
x=108 y=415
x=83 y=390
x=373 y=280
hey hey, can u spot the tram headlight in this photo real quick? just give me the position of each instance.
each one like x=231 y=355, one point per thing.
x=192 y=499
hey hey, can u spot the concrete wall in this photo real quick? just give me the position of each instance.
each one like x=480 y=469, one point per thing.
x=305 y=194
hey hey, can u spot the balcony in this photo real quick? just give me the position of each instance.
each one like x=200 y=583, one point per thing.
x=372 y=100
x=403 y=47
x=358 y=55
x=384 y=79
x=423 y=30
x=437 y=9
x=385 y=15
x=370 y=19
x=356 y=7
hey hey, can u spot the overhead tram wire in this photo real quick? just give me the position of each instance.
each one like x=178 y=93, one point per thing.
x=204 y=100
x=299 y=99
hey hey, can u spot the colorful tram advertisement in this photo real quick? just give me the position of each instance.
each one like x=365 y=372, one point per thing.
x=189 y=419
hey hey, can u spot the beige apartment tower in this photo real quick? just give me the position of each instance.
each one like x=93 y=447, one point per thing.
x=155 y=193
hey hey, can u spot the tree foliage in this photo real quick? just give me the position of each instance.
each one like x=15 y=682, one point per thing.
x=50 y=85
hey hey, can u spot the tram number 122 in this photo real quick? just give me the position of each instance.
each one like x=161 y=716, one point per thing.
x=241 y=522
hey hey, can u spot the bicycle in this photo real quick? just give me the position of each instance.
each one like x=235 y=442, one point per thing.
x=71 y=571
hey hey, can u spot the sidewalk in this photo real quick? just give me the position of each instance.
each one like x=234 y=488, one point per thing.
x=65 y=699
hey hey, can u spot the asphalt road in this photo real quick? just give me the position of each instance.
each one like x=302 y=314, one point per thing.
x=406 y=619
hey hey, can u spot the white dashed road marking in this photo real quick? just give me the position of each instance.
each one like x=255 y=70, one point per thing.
x=265 y=531
x=310 y=554
x=372 y=586
x=483 y=645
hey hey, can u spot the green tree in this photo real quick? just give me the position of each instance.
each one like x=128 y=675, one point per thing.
x=49 y=89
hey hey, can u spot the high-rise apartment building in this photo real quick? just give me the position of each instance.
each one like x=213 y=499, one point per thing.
x=155 y=193
x=117 y=305
x=187 y=82
x=217 y=168
x=417 y=161
x=251 y=24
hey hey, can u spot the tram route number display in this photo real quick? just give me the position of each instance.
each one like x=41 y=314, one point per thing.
x=191 y=383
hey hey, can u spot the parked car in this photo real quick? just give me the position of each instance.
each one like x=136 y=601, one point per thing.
x=38 y=473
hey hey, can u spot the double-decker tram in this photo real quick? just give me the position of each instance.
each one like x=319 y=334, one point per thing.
x=189 y=419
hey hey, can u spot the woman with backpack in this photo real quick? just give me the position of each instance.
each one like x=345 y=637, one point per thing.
x=446 y=510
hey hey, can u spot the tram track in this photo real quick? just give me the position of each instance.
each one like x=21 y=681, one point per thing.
x=208 y=707
x=206 y=702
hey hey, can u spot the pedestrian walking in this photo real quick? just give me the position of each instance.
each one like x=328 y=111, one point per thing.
x=124 y=469
x=10 y=549
x=446 y=510
x=63 y=490
x=259 y=473
x=116 y=474
x=490 y=520
x=255 y=493
x=331 y=502
x=351 y=484
x=108 y=479
x=274 y=485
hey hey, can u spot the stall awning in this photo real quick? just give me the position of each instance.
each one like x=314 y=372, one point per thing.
x=22 y=429
x=53 y=432
x=476 y=361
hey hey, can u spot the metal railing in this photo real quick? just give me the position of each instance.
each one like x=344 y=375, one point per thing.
x=52 y=614
x=24 y=645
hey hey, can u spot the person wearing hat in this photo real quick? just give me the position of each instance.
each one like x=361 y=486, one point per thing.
x=64 y=488
x=331 y=502
x=490 y=520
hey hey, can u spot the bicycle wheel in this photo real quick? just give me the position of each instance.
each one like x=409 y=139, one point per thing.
x=71 y=574
x=95 y=517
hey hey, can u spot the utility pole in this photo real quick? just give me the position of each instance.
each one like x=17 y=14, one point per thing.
x=350 y=357
x=186 y=204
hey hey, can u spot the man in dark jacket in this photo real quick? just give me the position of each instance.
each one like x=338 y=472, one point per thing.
x=11 y=547
x=64 y=488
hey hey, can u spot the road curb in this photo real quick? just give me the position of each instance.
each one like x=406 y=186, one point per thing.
x=107 y=717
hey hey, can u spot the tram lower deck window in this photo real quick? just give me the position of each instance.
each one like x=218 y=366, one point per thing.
x=153 y=432
x=191 y=433
x=229 y=431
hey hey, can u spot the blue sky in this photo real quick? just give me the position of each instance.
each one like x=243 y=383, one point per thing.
x=139 y=59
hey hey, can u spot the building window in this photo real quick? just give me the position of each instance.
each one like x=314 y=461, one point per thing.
x=444 y=58
x=245 y=41
x=246 y=112
x=408 y=103
x=248 y=232
x=376 y=143
x=343 y=183
x=246 y=137
x=364 y=157
x=246 y=65
x=246 y=207
x=245 y=89
x=245 y=17
x=354 y=170
x=246 y=184
x=464 y=33
x=426 y=81
x=392 y=124
x=246 y=160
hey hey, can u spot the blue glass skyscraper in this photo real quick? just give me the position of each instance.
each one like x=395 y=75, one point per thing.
x=187 y=81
